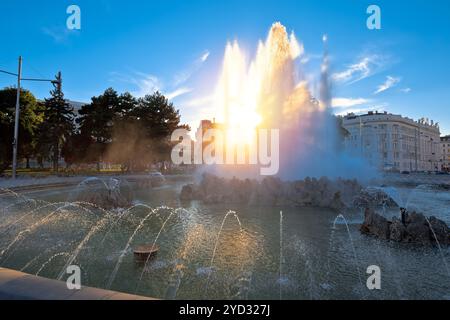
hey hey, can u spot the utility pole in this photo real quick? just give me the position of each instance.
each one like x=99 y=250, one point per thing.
x=16 y=122
x=58 y=86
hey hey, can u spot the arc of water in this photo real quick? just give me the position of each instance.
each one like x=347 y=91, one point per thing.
x=32 y=212
x=124 y=251
x=50 y=260
x=45 y=220
x=398 y=198
x=217 y=243
x=86 y=239
x=64 y=204
x=29 y=263
x=439 y=246
x=30 y=229
x=11 y=192
x=154 y=243
x=177 y=272
x=341 y=216
x=32 y=261
x=126 y=213
x=20 y=202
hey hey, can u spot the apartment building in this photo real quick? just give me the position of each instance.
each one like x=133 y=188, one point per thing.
x=394 y=143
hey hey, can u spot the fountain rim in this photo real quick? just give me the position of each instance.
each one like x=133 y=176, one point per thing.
x=16 y=285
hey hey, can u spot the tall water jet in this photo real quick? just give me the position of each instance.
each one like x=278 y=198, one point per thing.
x=269 y=93
x=217 y=243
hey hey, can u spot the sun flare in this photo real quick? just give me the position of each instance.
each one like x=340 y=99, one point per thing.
x=257 y=93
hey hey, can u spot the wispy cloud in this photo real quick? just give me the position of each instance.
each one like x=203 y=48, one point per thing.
x=406 y=90
x=348 y=102
x=59 y=34
x=178 y=92
x=147 y=84
x=144 y=83
x=360 y=70
x=389 y=83
x=184 y=75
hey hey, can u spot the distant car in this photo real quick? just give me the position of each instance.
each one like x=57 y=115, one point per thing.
x=405 y=172
x=156 y=178
x=153 y=179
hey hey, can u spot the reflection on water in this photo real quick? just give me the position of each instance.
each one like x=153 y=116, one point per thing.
x=311 y=255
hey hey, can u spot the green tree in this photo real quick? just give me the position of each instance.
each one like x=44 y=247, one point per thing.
x=31 y=116
x=75 y=149
x=96 y=121
x=57 y=127
x=158 y=118
x=142 y=130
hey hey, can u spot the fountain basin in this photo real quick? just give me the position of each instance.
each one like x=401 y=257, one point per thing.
x=181 y=270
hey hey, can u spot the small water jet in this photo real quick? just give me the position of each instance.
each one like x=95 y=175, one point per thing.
x=56 y=255
x=127 y=246
x=341 y=216
x=217 y=243
x=281 y=253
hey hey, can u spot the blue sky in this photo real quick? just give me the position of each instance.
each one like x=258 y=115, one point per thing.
x=177 y=47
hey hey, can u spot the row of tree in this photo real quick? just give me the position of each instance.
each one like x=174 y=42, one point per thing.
x=120 y=129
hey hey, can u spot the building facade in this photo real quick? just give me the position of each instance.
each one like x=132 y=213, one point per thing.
x=445 y=153
x=394 y=143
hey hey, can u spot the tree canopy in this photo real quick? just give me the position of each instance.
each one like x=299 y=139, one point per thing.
x=114 y=128
x=31 y=117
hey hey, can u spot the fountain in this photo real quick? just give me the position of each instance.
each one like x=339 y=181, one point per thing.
x=248 y=237
x=113 y=193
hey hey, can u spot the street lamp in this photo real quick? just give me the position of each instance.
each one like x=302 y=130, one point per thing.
x=57 y=83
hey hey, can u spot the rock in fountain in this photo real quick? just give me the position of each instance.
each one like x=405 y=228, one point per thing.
x=108 y=195
x=373 y=198
x=415 y=228
x=270 y=191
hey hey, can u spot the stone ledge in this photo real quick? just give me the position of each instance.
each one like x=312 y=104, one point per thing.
x=15 y=285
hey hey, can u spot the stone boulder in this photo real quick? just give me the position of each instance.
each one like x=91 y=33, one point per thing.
x=271 y=191
x=416 y=228
x=397 y=230
x=376 y=225
x=373 y=198
x=111 y=194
